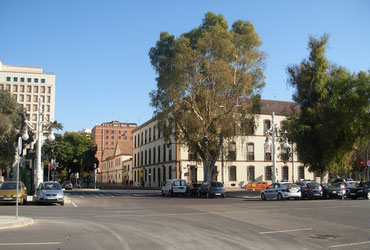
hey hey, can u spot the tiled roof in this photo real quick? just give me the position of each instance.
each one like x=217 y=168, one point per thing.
x=279 y=107
x=125 y=147
x=107 y=153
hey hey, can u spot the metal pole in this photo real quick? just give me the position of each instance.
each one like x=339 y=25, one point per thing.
x=292 y=161
x=39 y=174
x=273 y=149
x=222 y=159
x=17 y=194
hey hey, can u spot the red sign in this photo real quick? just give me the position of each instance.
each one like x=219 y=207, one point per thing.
x=362 y=162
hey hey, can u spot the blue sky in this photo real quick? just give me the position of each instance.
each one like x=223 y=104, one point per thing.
x=99 y=49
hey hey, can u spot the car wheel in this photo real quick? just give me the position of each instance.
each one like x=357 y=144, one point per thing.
x=223 y=196
x=368 y=195
x=280 y=197
x=62 y=203
x=263 y=196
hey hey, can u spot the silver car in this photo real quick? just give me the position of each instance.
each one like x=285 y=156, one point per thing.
x=50 y=192
x=281 y=191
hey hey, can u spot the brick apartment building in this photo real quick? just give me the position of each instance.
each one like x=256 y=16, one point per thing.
x=108 y=134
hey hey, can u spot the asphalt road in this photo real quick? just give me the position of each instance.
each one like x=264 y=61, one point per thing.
x=139 y=219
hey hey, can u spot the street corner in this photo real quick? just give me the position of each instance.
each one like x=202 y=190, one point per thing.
x=7 y=222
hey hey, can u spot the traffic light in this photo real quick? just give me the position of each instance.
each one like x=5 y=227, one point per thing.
x=168 y=143
x=95 y=147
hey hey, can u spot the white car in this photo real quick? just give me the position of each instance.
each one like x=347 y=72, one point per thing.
x=174 y=186
x=281 y=191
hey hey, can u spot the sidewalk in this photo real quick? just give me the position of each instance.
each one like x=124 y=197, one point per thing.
x=12 y=222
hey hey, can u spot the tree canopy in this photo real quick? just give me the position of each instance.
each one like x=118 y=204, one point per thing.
x=12 y=120
x=208 y=85
x=334 y=113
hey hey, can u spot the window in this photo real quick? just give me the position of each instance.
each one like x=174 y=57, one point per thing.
x=34 y=117
x=159 y=133
x=34 y=107
x=232 y=151
x=266 y=126
x=48 y=108
x=36 y=80
x=42 y=80
x=268 y=153
x=232 y=173
x=28 y=79
x=112 y=137
x=169 y=172
x=21 y=98
x=48 y=99
x=250 y=173
x=142 y=158
x=135 y=142
x=142 y=135
x=112 y=131
x=15 y=88
x=154 y=155
x=112 y=143
x=301 y=172
x=164 y=152
x=150 y=134
x=250 y=152
x=268 y=173
x=35 y=98
x=159 y=153
x=106 y=137
x=150 y=175
x=285 y=173
x=119 y=131
x=15 y=97
x=42 y=89
x=8 y=79
x=29 y=89
x=153 y=133
x=119 y=137
x=28 y=108
x=7 y=87
x=35 y=89
x=15 y=79
x=28 y=98
x=49 y=90
x=150 y=156
x=21 y=88
x=22 y=79
x=170 y=154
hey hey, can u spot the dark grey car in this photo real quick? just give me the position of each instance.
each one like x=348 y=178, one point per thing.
x=211 y=189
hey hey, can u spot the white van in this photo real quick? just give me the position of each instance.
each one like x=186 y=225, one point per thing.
x=174 y=186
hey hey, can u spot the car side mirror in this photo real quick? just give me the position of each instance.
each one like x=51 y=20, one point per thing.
x=63 y=189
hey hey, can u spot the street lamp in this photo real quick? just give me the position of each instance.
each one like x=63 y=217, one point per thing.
x=270 y=136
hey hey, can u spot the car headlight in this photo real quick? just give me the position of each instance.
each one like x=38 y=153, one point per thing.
x=60 y=195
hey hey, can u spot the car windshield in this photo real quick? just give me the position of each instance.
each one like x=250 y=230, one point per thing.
x=50 y=186
x=313 y=184
x=10 y=185
x=216 y=184
x=290 y=185
x=179 y=183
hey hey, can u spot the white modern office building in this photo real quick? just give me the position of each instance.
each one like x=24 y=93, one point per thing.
x=154 y=161
x=31 y=87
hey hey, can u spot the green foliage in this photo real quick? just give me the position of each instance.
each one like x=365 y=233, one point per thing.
x=11 y=124
x=208 y=85
x=334 y=110
x=73 y=152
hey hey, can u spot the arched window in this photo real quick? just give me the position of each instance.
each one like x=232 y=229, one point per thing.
x=232 y=173
x=232 y=151
x=301 y=172
x=250 y=152
x=266 y=126
x=268 y=173
x=268 y=153
x=285 y=173
x=250 y=173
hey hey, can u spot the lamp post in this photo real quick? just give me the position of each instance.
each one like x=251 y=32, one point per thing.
x=25 y=137
x=271 y=134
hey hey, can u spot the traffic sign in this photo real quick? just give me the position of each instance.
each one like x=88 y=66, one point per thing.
x=20 y=145
x=362 y=163
x=368 y=163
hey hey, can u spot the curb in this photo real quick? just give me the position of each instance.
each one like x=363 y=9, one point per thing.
x=11 y=222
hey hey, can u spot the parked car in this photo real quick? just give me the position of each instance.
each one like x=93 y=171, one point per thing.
x=310 y=189
x=8 y=192
x=258 y=186
x=174 y=187
x=193 y=187
x=67 y=185
x=50 y=192
x=333 y=190
x=281 y=191
x=211 y=189
x=362 y=191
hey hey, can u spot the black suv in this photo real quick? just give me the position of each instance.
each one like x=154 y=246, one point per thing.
x=310 y=189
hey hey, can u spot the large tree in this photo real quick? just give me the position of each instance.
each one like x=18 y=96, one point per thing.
x=208 y=85
x=334 y=113
x=12 y=121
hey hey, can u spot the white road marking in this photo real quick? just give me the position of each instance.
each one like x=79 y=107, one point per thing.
x=74 y=204
x=285 y=231
x=81 y=196
x=351 y=244
x=30 y=243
